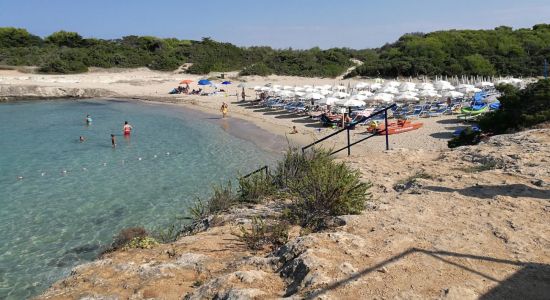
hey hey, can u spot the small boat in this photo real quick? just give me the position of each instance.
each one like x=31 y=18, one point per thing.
x=394 y=127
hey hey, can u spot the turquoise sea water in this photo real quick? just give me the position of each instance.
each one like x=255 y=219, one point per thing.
x=73 y=197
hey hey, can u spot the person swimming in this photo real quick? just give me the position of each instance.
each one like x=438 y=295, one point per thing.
x=82 y=139
x=127 y=128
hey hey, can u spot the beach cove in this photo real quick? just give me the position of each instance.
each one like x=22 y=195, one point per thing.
x=417 y=238
x=63 y=200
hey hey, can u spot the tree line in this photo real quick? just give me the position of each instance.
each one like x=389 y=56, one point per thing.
x=501 y=51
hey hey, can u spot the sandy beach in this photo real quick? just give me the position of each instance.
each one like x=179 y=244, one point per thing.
x=147 y=85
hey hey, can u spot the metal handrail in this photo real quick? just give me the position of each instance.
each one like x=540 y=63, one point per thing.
x=256 y=171
x=348 y=127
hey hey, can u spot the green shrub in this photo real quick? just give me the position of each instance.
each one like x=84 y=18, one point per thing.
x=59 y=66
x=142 y=243
x=222 y=199
x=261 y=235
x=260 y=69
x=255 y=188
x=519 y=108
x=320 y=188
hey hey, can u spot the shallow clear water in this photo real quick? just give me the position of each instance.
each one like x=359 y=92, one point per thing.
x=74 y=196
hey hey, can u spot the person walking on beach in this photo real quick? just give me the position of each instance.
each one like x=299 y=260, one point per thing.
x=113 y=141
x=243 y=94
x=127 y=128
x=224 y=109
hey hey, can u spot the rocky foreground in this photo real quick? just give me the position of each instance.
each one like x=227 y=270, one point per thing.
x=468 y=223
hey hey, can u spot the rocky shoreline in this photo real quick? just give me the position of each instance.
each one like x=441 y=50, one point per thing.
x=466 y=223
x=37 y=92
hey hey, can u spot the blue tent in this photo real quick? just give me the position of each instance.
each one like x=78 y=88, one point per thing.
x=204 y=82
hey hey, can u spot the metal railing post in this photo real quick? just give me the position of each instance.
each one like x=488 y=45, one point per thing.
x=386 y=123
x=349 y=147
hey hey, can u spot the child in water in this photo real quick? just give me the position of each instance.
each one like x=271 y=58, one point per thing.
x=113 y=141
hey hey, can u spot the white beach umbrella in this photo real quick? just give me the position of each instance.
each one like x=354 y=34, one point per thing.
x=288 y=87
x=443 y=85
x=324 y=92
x=392 y=84
x=340 y=88
x=361 y=85
x=407 y=97
x=375 y=86
x=241 y=85
x=265 y=89
x=359 y=97
x=307 y=86
x=378 y=80
x=310 y=90
x=340 y=95
x=426 y=86
x=300 y=94
x=429 y=94
x=257 y=88
x=350 y=102
x=453 y=94
x=277 y=86
x=484 y=84
x=390 y=90
x=314 y=96
x=328 y=101
x=469 y=90
x=286 y=93
x=407 y=86
x=299 y=89
x=384 y=97
x=366 y=93
x=464 y=86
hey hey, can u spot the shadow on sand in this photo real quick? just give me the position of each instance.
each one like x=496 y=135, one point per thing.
x=489 y=191
x=442 y=135
x=530 y=282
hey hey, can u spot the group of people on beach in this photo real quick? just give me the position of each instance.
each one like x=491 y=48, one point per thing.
x=126 y=131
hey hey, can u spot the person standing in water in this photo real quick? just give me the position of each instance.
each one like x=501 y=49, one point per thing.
x=127 y=128
x=224 y=109
x=113 y=141
x=88 y=120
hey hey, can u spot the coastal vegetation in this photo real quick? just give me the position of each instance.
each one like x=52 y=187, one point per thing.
x=502 y=51
x=312 y=188
x=520 y=109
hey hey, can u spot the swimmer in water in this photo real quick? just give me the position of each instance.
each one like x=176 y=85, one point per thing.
x=113 y=140
x=294 y=130
x=127 y=128
x=88 y=120
x=82 y=139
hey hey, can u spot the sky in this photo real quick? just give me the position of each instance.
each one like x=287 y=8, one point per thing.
x=299 y=24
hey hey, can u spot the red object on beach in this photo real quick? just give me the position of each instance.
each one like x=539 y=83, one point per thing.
x=186 y=81
x=397 y=127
